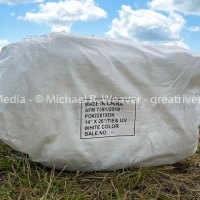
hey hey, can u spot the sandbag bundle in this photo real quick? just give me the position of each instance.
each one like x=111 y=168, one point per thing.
x=86 y=103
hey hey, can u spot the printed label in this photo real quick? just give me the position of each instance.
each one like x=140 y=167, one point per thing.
x=107 y=118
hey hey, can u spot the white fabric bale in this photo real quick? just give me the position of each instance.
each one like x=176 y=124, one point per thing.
x=66 y=134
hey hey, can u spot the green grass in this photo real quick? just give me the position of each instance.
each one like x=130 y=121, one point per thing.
x=23 y=179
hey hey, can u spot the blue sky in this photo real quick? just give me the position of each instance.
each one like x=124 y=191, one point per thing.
x=172 y=22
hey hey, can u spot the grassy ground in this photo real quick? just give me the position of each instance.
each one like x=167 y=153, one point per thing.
x=22 y=179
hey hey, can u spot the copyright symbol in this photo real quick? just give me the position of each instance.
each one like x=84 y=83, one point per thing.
x=38 y=99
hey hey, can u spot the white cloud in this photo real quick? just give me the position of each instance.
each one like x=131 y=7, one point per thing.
x=61 y=15
x=12 y=14
x=10 y=2
x=194 y=28
x=60 y=28
x=178 y=44
x=3 y=43
x=147 y=26
x=184 y=6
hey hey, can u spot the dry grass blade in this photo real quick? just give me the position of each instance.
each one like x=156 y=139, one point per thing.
x=22 y=179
